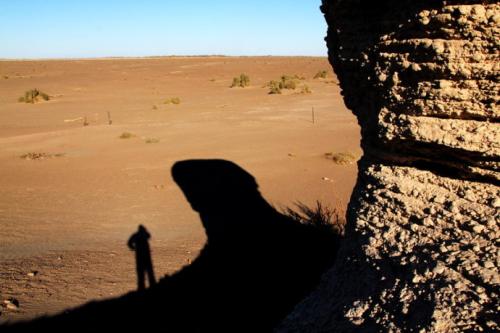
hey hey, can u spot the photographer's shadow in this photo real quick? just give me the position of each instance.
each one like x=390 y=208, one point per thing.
x=256 y=266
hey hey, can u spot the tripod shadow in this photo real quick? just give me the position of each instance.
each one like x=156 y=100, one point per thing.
x=256 y=266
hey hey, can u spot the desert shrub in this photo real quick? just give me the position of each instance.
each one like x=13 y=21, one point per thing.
x=288 y=82
x=341 y=158
x=32 y=96
x=330 y=220
x=285 y=82
x=242 y=81
x=152 y=140
x=305 y=89
x=126 y=135
x=173 y=100
x=236 y=82
x=321 y=74
x=245 y=80
x=40 y=156
x=155 y=107
x=274 y=87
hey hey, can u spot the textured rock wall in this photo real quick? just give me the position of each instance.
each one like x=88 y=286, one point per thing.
x=421 y=249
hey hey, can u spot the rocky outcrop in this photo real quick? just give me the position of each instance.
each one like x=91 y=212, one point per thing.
x=421 y=248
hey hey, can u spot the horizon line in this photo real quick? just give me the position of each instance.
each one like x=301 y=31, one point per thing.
x=162 y=56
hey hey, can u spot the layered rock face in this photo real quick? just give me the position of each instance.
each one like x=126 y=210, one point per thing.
x=421 y=248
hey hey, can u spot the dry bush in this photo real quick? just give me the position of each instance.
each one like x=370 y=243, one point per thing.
x=40 y=156
x=285 y=82
x=330 y=220
x=173 y=100
x=32 y=96
x=242 y=81
x=288 y=82
x=152 y=140
x=305 y=89
x=274 y=87
x=321 y=74
x=126 y=135
x=341 y=158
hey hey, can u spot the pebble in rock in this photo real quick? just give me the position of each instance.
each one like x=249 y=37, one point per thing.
x=11 y=303
x=32 y=273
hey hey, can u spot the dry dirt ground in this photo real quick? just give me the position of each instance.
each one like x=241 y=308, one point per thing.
x=68 y=216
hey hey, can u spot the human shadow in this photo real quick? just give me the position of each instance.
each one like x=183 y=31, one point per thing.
x=139 y=243
x=256 y=265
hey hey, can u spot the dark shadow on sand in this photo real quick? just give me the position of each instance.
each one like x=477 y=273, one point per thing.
x=256 y=266
x=139 y=243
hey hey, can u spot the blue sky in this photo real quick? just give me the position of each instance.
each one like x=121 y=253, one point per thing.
x=103 y=28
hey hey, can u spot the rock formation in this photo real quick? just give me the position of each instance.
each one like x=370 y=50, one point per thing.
x=421 y=248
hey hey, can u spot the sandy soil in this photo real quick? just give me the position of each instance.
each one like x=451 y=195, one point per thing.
x=68 y=217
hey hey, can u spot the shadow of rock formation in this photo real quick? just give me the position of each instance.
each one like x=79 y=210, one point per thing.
x=256 y=266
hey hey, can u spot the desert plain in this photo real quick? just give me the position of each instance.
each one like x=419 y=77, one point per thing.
x=80 y=172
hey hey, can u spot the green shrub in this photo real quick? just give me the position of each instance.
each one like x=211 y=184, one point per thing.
x=242 y=81
x=321 y=74
x=32 y=96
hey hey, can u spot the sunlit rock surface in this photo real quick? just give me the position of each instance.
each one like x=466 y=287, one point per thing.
x=421 y=249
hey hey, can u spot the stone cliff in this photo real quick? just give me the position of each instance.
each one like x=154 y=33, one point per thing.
x=421 y=248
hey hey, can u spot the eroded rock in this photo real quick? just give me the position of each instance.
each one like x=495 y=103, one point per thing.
x=421 y=248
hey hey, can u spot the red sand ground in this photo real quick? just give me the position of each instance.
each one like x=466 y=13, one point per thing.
x=69 y=217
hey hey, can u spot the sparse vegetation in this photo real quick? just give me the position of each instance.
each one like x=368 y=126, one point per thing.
x=330 y=220
x=274 y=87
x=341 y=158
x=173 y=100
x=126 y=135
x=155 y=107
x=32 y=96
x=5 y=77
x=152 y=140
x=242 y=81
x=288 y=82
x=305 y=89
x=331 y=82
x=40 y=156
x=321 y=74
x=285 y=82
